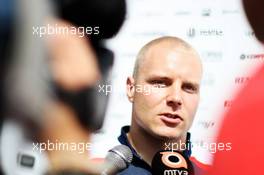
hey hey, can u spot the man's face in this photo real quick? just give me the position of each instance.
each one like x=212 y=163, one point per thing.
x=173 y=75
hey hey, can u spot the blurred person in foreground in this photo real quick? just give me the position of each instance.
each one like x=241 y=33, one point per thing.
x=172 y=70
x=74 y=67
x=76 y=64
x=243 y=123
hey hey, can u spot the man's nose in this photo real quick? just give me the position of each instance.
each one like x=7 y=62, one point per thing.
x=174 y=96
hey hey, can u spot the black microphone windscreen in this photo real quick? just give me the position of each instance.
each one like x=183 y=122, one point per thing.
x=171 y=163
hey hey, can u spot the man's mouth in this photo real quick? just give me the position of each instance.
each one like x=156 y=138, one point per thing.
x=171 y=118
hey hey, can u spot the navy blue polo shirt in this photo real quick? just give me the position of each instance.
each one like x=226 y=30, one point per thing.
x=138 y=166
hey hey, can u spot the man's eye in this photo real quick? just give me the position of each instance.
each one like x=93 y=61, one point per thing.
x=190 y=88
x=158 y=83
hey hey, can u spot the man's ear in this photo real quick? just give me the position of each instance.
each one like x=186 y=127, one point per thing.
x=130 y=84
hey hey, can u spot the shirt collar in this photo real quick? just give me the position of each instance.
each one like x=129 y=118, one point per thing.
x=124 y=140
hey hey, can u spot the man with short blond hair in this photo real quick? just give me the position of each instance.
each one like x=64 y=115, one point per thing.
x=172 y=69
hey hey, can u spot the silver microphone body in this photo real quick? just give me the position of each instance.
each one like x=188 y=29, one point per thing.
x=117 y=159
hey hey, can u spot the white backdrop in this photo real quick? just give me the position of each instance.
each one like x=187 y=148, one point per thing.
x=221 y=34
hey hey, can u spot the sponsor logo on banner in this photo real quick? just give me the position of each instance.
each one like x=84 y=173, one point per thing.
x=249 y=33
x=151 y=14
x=208 y=80
x=206 y=124
x=252 y=56
x=182 y=13
x=230 y=11
x=192 y=32
x=228 y=103
x=206 y=12
x=241 y=80
x=212 y=56
x=148 y=34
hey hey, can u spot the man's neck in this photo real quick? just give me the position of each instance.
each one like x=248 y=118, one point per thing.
x=147 y=146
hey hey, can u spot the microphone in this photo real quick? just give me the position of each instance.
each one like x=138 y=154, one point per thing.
x=171 y=163
x=117 y=159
